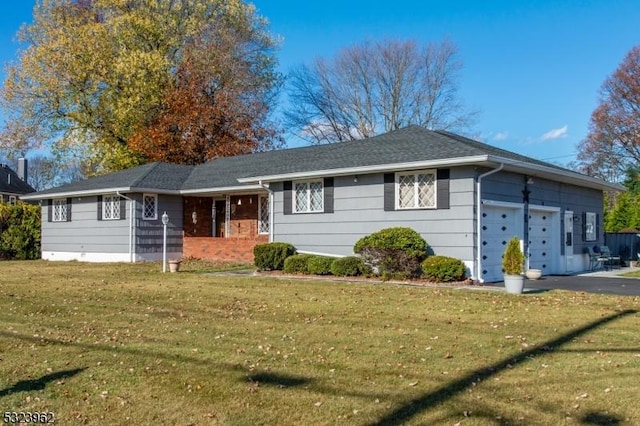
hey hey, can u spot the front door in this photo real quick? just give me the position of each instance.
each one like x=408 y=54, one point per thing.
x=220 y=215
x=568 y=240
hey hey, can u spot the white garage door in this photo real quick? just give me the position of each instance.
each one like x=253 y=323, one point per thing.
x=500 y=222
x=544 y=246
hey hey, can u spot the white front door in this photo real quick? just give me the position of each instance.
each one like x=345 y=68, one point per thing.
x=568 y=241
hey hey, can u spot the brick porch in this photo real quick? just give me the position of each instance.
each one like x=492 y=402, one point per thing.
x=225 y=249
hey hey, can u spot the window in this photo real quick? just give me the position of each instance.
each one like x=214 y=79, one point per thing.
x=150 y=206
x=309 y=197
x=416 y=190
x=263 y=208
x=590 y=228
x=110 y=207
x=13 y=200
x=59 y=210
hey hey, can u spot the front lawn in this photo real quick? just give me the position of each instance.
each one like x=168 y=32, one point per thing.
x=126 y=344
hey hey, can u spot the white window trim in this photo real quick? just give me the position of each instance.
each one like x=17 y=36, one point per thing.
x=61 y=204
x=264 y=199
x=155 y=208
x=294 y=199
x=590 y=227
x=416 y=194
x=110 y=199
x=13 y=200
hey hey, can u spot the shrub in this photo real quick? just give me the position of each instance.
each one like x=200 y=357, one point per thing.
x=19 y=231
x=513 y=258
x=271 y=256
x=349 y=266
x=443 y=269
x=319 y=265
x=394 y=252
x=296 y=264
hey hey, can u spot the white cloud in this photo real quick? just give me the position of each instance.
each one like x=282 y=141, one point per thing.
x=500 y=136
x=562 y=132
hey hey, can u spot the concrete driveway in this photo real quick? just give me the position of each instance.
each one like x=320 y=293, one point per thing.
x=602 y=282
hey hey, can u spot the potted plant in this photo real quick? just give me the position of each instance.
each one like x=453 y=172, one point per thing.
x=174 y=265
x=512 y=266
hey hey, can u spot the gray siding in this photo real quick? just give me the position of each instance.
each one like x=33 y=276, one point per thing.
x=359 y=211
x=509 y=186
x=86 y=234
x=149 y=233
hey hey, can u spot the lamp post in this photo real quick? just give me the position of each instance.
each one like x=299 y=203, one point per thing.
x=165 y=221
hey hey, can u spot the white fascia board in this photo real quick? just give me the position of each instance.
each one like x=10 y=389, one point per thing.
x=90 y=192
x=389 y=167
x=224 y=190
x=564 y=175
x=85 y=193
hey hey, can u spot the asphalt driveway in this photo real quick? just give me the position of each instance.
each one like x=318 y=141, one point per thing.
x=601 y=283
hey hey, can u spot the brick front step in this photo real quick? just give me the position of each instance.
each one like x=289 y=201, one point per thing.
x=222 y=249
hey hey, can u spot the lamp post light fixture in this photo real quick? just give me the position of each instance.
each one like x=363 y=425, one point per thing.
x=165 y=221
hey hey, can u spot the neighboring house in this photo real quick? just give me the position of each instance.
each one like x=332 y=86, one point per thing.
x=14 y=185
x=465 y=198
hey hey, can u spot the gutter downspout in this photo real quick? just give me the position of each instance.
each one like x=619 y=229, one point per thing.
x=131 y=230
x=478 y=220
x=271 y=204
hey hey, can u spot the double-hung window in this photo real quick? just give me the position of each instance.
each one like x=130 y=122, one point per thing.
x=110 y=207
x=416 y=190
x=59 y=210
x=309 y=196
x=150 y=206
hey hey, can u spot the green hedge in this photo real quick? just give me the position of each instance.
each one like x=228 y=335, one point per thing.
x=271 y=256
x=296 y=264
x=350 y=266
x=443 y=269
x=319 y=265
x=394 y=252
x=19 y=231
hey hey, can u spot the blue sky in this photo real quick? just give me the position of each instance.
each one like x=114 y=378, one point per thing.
x=532 y=68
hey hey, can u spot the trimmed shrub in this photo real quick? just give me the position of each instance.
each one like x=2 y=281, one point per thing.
x=296 y=264
x=271 y=256
x=394 y=252
x=319 y=265
x=350 y=266
x=19 y=231
x=443 y=269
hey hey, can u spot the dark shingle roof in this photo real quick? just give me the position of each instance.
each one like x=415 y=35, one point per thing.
x=159 y=176
x=10 y=182
x=408 y=145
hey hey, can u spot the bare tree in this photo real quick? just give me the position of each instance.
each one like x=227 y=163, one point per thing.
x=375 y=87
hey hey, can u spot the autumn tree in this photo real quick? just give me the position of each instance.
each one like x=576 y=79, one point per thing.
x=98 y=75
x=613 y=142
x=375 y=87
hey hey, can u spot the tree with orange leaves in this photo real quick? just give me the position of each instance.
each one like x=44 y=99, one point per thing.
x=612 y=145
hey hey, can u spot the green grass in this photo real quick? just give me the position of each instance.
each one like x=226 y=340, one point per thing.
x=126 y=344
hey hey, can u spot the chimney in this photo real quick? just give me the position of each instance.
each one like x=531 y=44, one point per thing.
x=22 y=169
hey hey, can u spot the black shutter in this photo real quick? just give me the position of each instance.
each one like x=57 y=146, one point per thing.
x=123 y=209
x=99 y=207
x=328 y=195
x=442 y=182
x=286 y=196
x=49 y=210
x=389 y=191
x=68 y=209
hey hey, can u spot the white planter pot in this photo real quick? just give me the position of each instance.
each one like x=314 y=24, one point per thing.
x=514 y=284
x=174 y=265
x=533 y=274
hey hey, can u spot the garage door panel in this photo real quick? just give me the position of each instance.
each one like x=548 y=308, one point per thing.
x=499 y=224
x=544 y=250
